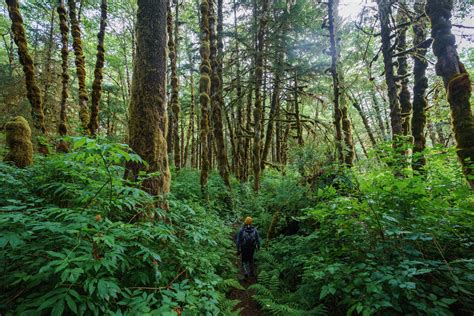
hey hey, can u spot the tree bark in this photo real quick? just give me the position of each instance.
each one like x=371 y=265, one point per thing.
x=418 y=120
x=148 y=117
x=32 y=89
x=99 y=66
x=365 y=121
x=80 y=65
x=456 y=81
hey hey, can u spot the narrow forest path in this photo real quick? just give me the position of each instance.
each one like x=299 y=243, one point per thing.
x=248 y=306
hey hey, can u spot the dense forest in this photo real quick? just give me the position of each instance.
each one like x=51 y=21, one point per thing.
x=136 y=136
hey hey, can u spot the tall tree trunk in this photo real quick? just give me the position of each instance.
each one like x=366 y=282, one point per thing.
x=456 y=81
x=148 y=117
x=64 y=29
x=216 y=92
x=80 y=65
x=343 y=137
x=174 y=101
x=274 y=104
x=395 y=111
x=32 y=89
x=365 y=121
x=190 y=133
x=299 y=129
x=258 y=111
x=204 y=94
x=418 y=120
x=332 y=6
x=378 y=114
x=402 y=70
x=349 y=150
x=99 y=65
x=47 y=63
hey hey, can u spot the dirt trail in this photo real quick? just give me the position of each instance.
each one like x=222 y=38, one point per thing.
x=247 y=305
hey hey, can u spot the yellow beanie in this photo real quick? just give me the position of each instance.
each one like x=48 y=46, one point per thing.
x=248 y=220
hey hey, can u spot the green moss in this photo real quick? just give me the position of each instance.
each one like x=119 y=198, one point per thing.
x=18 y=137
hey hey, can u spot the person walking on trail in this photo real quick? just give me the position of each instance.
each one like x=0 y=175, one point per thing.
x=247 y=241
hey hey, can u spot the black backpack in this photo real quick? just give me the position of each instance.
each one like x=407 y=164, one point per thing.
x=249 y=238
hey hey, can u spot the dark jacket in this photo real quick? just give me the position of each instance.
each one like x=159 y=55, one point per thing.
x=248 y=228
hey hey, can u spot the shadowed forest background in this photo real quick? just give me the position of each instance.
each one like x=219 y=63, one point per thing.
x=137 y=134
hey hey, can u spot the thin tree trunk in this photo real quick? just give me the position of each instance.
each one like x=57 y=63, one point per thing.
x=148 y=117
x=47 y=68
x=64 y=28
x=33 y=91
x=456 y=81
x=99 y=66
x=190 y=133
x=365 y=121
x=332 y=7
x=258 y=111
x=299 y=129
x=420 y=85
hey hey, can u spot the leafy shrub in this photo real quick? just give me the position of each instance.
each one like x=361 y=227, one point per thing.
x=75 y=238
x=394 y=245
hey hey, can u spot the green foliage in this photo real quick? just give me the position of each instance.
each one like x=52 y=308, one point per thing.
x=390 y=245
x=77 y=239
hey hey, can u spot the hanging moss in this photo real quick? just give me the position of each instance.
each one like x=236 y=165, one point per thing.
x=80 y=65
x=33 y=92
x=93 y=124
x=456 y=81
x=18 y=137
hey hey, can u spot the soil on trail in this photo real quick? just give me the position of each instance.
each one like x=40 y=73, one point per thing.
x=247 y=306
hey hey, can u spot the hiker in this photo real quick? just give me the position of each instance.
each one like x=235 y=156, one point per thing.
x=247 y=241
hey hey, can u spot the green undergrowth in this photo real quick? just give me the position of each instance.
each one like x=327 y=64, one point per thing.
x=372 y=243
x=76 y=238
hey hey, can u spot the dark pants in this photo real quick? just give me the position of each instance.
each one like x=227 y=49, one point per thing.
x=247 y=261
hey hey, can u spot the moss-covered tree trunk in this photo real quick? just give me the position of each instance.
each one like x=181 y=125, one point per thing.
x=190 y=132
x=420 y=85
x=384 y=12
x=402 y=70
x=80 y=65
x=173 y=138
x=32 y=89
x=204 y=95
x=148 y=119
x=64 y=30
x=332 y=6
x=258 y=111
x=99 y=65
x=456 y=81
x=216 y=93
x=342 y=124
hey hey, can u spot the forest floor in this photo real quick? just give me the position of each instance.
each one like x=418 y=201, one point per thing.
x=247 y=305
